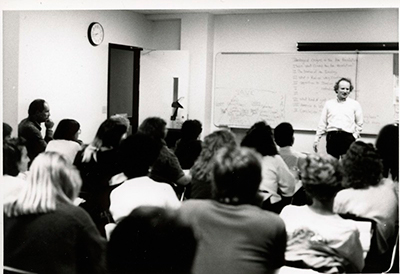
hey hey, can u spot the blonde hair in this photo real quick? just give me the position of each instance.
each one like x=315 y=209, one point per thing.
x=51 y=179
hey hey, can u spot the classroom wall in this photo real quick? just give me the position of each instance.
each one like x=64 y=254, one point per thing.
x=166 y=34
x=10 y=69
x=56 y=62
x=279 y=32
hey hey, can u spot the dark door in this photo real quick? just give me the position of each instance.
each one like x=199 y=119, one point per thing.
x=123 y=82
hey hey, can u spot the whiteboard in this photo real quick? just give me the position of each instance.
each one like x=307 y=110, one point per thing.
x=293 y=87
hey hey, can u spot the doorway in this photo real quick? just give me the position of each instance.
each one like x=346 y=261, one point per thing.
x=123 y=82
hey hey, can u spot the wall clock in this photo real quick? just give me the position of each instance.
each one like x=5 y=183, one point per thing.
x=95 y=33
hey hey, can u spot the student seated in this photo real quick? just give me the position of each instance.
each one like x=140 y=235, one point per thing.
x=138 y=153
x=367 y=194
x=97 y=164
x=200 y=187
x=7 y=130
x=43 y=231
x=188 y=147
x=166 y=168
x=387 y=144
x=234 y=236
x=151 y=240
x=15 y=166
x=284 y=138
x=278 y=183
x=318 y=238
x=65 y=139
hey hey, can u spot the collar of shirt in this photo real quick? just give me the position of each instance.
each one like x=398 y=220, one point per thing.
x=36 y=124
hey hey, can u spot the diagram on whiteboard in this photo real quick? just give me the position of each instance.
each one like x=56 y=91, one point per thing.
x=244 y=107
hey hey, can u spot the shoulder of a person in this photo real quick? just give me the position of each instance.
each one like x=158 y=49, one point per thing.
x=196 y=204
x=72 y=212
x=293 y=211
x=331 y=101
x=278 y=159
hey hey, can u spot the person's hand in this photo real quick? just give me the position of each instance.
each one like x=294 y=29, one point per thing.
x=315 y=146
x=49 y=124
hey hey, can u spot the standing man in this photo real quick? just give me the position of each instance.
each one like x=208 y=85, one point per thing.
x=342 y=119
x=30 y=130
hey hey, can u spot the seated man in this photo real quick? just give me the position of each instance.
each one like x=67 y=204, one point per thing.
x=29 y=128
x=234 y=236
x=317 y=237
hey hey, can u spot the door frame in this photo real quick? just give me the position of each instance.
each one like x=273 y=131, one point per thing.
x=134 y=119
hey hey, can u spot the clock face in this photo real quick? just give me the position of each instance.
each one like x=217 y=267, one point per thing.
x=95 y=33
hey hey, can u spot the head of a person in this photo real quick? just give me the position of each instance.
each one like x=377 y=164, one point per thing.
x=260 y=138
x=15 y=157
x=51 y=179
x=67 y=129
x=7 y=130
x=284 y=134
x=362 y=166
x=191 y=129
x=321 y=177
x=39 y=110
x=343 y=87
x=387 y=145
x=138 y=152
x=151 y=240
x=156 y=127
x=236 y=175
x=201 y=169
x=111 y=132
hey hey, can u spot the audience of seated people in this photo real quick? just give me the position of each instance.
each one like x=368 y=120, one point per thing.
x=317 y=238
x=138 y=154
x=278 y=182
x=200 y=187
x=234 y=236
x=151 y=239
x=128 y=182
x=367 y=194
x=97 y=164
x=188 y=147
x=66 y=139
x=15 y=165
x=43 y=231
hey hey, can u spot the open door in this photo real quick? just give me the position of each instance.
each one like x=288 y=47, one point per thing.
x=164 y=78
x=123 y=82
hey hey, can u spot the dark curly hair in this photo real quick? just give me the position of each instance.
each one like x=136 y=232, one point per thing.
x=191 y=129
x=260 y=137
x=336 y=86
x=321 y=176
x=362 y=166
x=201 y=169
